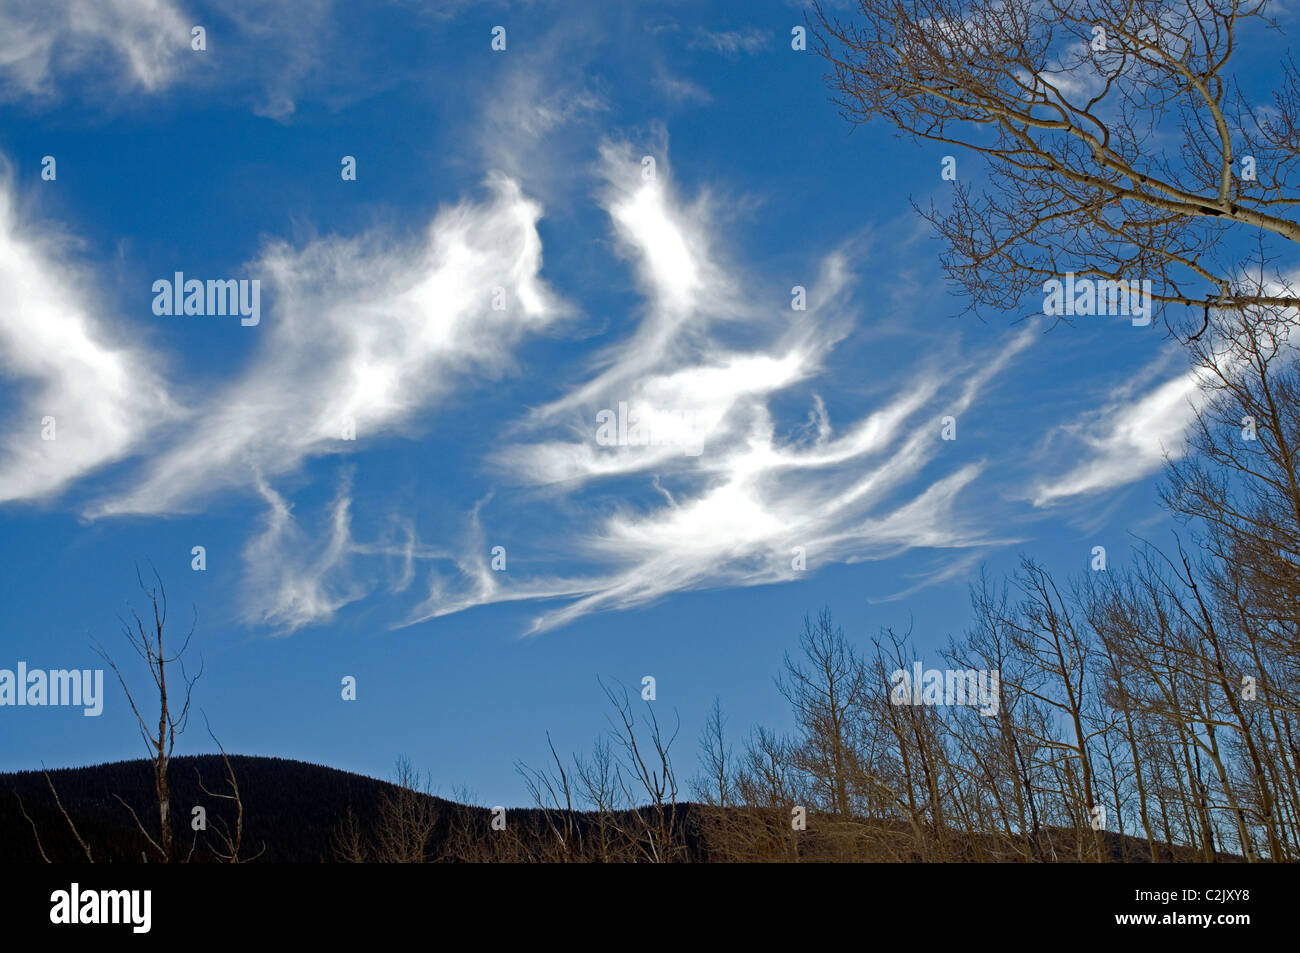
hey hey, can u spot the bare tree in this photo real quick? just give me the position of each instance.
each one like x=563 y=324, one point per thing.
x=716 y=786
x=231 y=839
x=646 y=770
x=553 y=793
x=408 y=817
x=81 y=841
x=768 y=788
x=825 y=687
x=1112 y=132
x=148 y=643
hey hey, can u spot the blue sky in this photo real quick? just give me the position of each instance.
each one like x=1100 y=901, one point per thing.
x=520 y=170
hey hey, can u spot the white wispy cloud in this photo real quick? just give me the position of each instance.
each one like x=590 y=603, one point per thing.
x=364 y=334
x=290 y=578
x=732 y=42
x=678 y=89
x=296 y=575
x=1126 y=439
x=64 y=362
x=266 y=53
x=1133 y=432
x=525 y=124
x=127 y=43
x=738 y=513
x=285 y=46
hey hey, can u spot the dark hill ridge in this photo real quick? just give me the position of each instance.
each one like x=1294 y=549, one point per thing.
x=298 y=810
x=292 y=806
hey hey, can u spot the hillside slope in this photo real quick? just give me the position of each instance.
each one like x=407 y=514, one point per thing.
x=298 y=812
